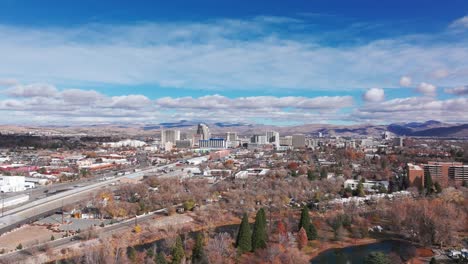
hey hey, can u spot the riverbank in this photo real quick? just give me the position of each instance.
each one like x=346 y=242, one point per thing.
x=350 y=250
x=320 y=247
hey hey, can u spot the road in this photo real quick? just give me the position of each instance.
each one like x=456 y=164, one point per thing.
x=27 y=212
x=107 y=231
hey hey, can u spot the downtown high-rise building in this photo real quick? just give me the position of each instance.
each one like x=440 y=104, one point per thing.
x=298 y=141
x=272 y=137
x=170 y=136
x=258 y=139
x=231 y=136
x=204 y=131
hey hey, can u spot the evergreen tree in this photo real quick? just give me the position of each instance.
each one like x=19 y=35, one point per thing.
x=304 y=222
x=405 y=182
x=437 y=187
x=131 y=254
x=323 y=173
x=429 y=185
x=433 y=261
x=198 y=253
x=244 y=237
x=465 y=183
x=311 y=175
x=312 y=235
x=376 y=258
x=160 y=258
x=178 y=253
x=391 y=186
x=259 y=235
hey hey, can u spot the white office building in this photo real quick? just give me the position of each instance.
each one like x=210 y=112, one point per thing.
x=170 y=136
x=231 y=136
x=258 y=139
x=273 y=138
x=286 y=141
x=12 y=183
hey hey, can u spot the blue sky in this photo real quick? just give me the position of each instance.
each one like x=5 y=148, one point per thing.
x=272 y=62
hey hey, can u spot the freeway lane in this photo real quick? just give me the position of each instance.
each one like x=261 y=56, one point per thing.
x=27 y=212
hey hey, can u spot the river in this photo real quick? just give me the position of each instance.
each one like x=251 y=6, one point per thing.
x=357 y=254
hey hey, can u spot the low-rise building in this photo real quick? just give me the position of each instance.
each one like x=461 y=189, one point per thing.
x=369 y=186
x=12 y=183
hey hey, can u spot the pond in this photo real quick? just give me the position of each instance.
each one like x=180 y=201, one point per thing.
x=357 y=254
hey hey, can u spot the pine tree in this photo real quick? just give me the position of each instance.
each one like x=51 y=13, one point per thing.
x=437 y=187
x=304 y=222
x=312 y=235
x=178 y=253
x=405 y=182
x=464 y=183
x=323 y=173
x=259 y=235
x=244 y=237
x=293 y=173
x=301 y=238
x=160 y=258
x=376 y=258
x=433 y=261
x=311 y=175
x=429 y=185
x=131 y=254
x=198 y=253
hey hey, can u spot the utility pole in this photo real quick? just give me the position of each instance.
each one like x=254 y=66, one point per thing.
x=62 y=212
x=3 y=201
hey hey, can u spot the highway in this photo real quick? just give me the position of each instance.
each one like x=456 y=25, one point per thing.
x=107 y=231
x=35 y=209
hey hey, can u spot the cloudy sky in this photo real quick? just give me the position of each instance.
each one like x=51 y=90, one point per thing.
x=271 y=62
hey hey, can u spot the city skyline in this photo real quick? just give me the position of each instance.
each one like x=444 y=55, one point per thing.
x=275 y=64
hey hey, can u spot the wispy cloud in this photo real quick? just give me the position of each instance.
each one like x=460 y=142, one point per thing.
x=460 y=90
x=223 y=54
x=460 y=23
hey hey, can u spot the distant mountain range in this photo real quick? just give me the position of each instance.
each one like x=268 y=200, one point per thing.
x=430 y=128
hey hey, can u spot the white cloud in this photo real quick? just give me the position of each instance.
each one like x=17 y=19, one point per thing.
x=441 y=73
x=32 y=90
x=460 y=23
x=223 y=54
x=461 y=90
x=70 y=106
x=413 y=109
x=8 y=82
x=427 y=89
x=255 y=102
x=374 y=95
x=405 y=81
x=132 y=101
x=81 y=97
